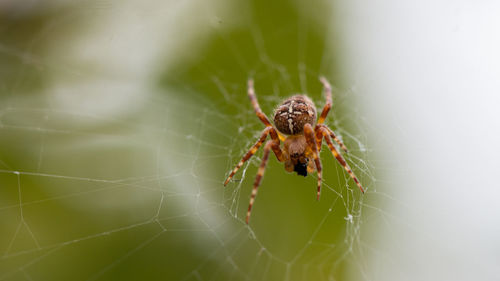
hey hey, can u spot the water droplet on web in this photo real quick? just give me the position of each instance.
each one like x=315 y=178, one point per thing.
x=349 y=218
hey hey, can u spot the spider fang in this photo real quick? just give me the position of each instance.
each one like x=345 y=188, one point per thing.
x=301 y=169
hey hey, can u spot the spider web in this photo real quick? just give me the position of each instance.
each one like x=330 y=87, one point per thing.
x=111 y=164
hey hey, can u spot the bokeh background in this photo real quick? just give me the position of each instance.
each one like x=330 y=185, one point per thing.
x=119 y=121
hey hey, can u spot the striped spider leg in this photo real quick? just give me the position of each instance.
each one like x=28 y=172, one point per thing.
x=322 y=131
x=326 y=134
x=309 y=134
x=328 y=105
x=253 y=150
x=273 y=144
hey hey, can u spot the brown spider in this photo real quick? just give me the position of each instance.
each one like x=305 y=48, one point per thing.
x=295 y=117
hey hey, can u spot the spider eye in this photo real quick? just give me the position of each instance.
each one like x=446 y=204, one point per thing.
x=301 y=169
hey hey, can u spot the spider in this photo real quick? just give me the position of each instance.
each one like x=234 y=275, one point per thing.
x=295 y=117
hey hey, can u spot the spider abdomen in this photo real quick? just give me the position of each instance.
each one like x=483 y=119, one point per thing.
x=291 y=116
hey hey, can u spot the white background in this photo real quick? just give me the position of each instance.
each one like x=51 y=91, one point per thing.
x=428 y=74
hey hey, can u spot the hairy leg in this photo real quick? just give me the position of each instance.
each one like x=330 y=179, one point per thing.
x=258 y=178
x=309 y=134
x=339 y=158
x=249 y=153
x=328 y=105
x=255 y=104
x=332 y=135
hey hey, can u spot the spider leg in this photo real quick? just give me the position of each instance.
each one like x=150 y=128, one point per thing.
x=253 y=99
x=339 y=157
x=260 y=174
x=277 y=150
x=275 y=146
x=332 y=135
x=255 y=104
x=319 y=137
x=328 y=105
x=250 y=153
x=309 y=134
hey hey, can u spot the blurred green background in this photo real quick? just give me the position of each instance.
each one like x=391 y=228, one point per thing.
x=120 y=120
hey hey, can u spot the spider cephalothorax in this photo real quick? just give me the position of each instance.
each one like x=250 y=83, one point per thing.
x=295 y=117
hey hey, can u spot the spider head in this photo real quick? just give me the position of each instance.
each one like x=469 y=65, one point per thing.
x=299 y=163
x=301 y=169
